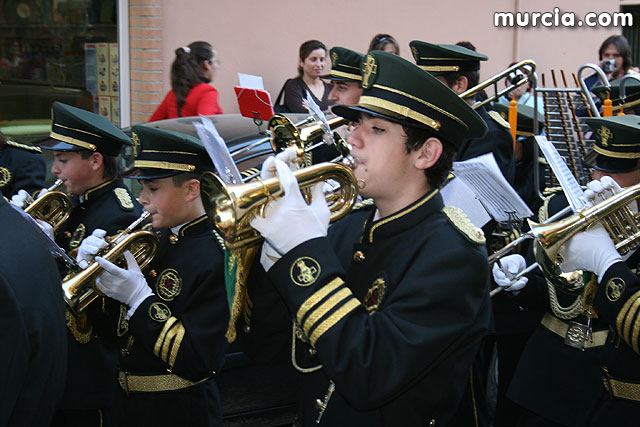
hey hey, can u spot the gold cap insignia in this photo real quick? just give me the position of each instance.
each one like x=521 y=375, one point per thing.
x=159 y=312
x=135 y=140
x=334 y=59
x=305 y=271
x=369 y=70
x=615 y=288
x=169 y=284
x=605 y=135
x=5 y=176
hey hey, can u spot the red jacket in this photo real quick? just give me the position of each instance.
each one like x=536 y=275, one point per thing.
x=202 y=99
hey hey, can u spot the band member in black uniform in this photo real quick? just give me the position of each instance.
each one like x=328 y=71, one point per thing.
x=21 y=167
x=589 y=379
x=458 y=68
x=177 y=310
x=85 y=149
x=345 y=77
x=34 y=356
x=387 y=318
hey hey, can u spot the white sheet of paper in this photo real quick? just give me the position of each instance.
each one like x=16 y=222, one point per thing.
x=249 y=81
x=482 y=175
x=568 y=182
x=457 y=193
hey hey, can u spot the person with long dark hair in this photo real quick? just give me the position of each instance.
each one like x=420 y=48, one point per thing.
x=615 y=60
x=384 y=42
x=311 y=62
x=191 y=94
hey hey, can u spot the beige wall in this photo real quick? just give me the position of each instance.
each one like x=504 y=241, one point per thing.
x=262 y=37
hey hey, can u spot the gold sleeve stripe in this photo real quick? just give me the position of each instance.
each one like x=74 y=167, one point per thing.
x=330 y=321
x=176 y=346
x=625 y=331
x=623 y=312
x=164 y=355
x=324 y=308
x=629 y=319
x=156 y=348
x=634 y=334
x=317 y=297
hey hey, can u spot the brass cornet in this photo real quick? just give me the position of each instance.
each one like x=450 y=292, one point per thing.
x=80 y=291
x=53 y=207
x=231 y=207
x=614 y=214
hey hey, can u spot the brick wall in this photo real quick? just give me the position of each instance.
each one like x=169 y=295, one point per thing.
x=145 y=50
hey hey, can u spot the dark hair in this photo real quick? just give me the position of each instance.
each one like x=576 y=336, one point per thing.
x=473 y=78
x=111 y=166
x=380 y=41
x=437 y=173
x=305 y=50
x=187 y=70
x=622 y=46
x=3 y=140
x=183 y=177
x=467 y=45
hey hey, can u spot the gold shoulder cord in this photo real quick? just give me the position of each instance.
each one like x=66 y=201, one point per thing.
x=575 y=308
x=295 y=330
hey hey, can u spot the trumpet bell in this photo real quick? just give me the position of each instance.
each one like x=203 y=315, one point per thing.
x=52 y=207
x=231 y=207
x=79 y=289
x=285 y=134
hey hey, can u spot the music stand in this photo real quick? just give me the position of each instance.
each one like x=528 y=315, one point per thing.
x=255 y=104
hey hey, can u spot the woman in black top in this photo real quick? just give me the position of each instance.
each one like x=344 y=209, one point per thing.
x=310 y=69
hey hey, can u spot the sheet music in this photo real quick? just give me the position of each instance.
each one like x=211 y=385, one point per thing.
x=569 y=184
x=457 y=193
x=483 y=176
x=248 y=81
x=218 y=151
x=316 y=112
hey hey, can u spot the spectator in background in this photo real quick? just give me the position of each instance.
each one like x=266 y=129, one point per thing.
x=523 y=94
x=615 y=60
x=386 y=43
x=191 y=94
x=311 y=62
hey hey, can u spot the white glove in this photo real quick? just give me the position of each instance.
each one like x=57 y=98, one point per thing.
x=288 y=220
x=599 y=190
x=90 y=247
x=591 y=250
x=512 y=265
x=22 y=199
x=268 y=256
x=46 y=227
x=127 y=286
x=288 y=155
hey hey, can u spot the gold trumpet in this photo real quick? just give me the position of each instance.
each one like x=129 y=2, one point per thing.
x=285 y=134
x=616 y=217
x=80 y=291
x=527 y=69
x=231 y=207
x=53 y=207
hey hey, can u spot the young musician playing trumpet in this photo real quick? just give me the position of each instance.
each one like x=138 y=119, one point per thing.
x=587 y=343
x=177 y=310
x=386 y=319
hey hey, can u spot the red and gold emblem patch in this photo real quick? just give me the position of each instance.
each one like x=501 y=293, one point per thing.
x=374 y=296
x=169 y=284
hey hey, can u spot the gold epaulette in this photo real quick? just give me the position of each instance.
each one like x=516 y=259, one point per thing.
x=462 y=223
x=124 y=199
x=31 y=148
x=498 y=119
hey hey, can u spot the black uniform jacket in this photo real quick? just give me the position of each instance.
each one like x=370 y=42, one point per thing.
x=565 y=384
x=393 y=310
x=34 y=353
x=21 y=168
x=497 y=140
x=181 y=328
x=91 y=378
